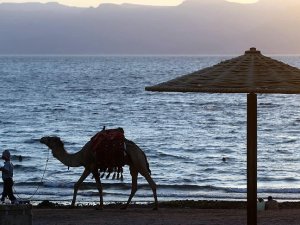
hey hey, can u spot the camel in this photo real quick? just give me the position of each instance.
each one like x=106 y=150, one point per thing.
x=135 y=159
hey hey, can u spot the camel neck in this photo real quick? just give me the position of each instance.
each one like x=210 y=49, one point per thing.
x=70 y=160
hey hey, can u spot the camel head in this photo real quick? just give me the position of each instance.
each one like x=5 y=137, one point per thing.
x=54 y=143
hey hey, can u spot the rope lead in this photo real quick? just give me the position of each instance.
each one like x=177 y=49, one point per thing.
x=37 y=188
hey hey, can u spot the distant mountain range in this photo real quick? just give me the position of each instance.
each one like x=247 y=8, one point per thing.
x=194 y=27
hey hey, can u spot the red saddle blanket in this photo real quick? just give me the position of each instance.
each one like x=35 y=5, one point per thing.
x=109 y=148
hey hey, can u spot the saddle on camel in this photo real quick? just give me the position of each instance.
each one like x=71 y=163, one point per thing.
x=109 y=148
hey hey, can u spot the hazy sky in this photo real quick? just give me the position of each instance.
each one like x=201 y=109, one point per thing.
x=95 y=3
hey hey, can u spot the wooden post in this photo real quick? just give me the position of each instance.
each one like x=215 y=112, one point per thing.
x=251 y=159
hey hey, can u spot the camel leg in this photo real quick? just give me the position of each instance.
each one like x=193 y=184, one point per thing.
x=153 y=187
x=99 y=187
x=134 y=176
x=78 y=183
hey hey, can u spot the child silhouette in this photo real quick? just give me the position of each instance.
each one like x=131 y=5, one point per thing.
x=7 y=176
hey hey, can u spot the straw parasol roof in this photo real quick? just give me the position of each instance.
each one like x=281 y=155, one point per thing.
x=249 y=73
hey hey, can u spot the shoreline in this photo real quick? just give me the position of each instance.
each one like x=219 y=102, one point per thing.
x=177 y=204
x=192 y=204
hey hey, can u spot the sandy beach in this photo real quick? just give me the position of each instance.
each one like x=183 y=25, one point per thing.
x=161 y=217
x=288 y=214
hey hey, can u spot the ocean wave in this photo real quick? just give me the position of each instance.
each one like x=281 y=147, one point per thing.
x=27 y=183
x=269 y=105
x=170 y=155
x=164 y=191
x=20 y=158
x=7 y=122
x=280 y=190
x=25 y=168
x=32 y=141
x=118 y=186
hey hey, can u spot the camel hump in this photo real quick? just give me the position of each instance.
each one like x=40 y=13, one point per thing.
x=109 y=148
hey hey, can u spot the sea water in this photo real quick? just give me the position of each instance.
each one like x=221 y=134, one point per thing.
x=184 y=135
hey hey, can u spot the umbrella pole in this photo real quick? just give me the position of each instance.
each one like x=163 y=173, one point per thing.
x=251 y=159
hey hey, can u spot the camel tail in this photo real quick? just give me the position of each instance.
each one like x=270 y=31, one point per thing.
x=147 y=163
x=148 y=167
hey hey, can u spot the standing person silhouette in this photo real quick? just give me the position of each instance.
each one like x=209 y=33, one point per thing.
x=7 y=176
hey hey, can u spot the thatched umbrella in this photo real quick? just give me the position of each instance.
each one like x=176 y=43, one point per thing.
x=250 y=73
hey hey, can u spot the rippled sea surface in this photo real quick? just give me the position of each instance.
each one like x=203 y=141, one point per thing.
x=185 y=136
